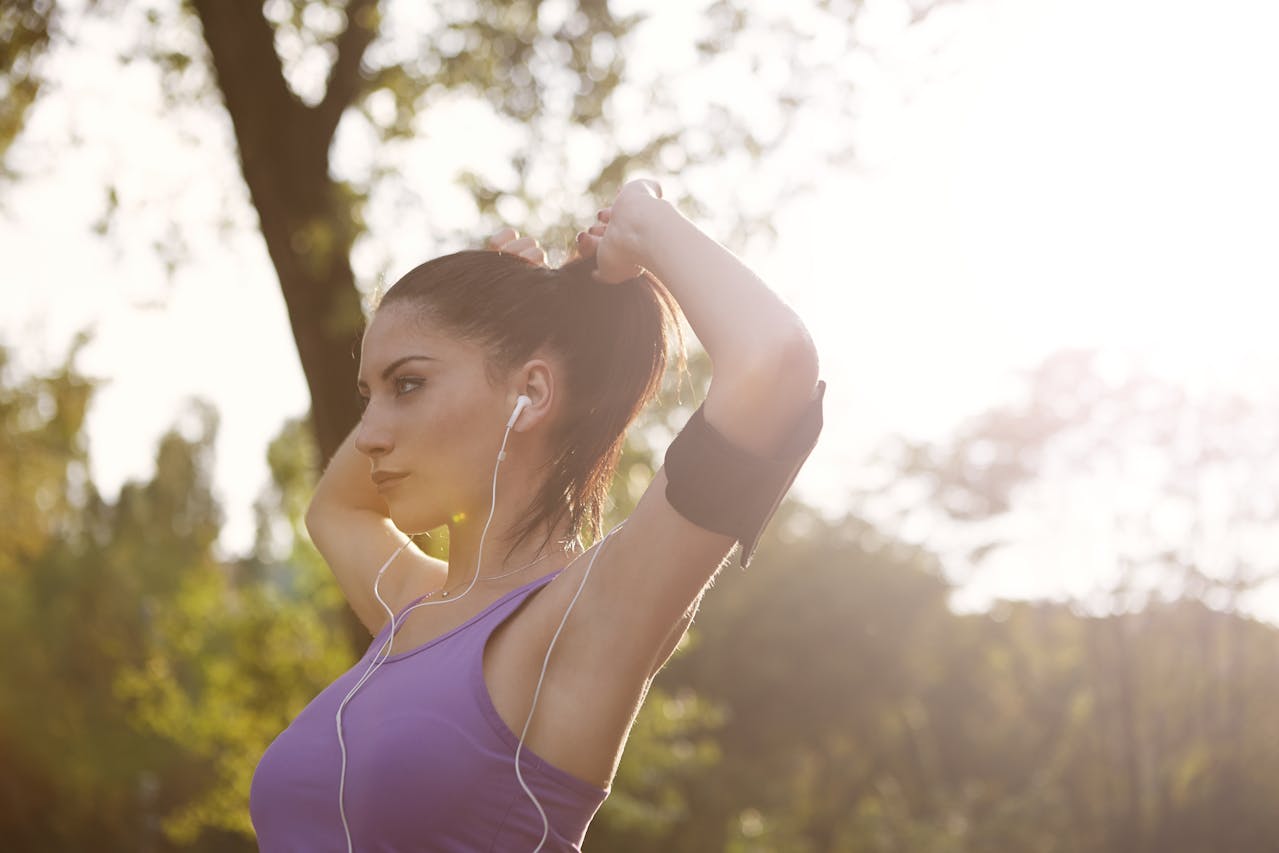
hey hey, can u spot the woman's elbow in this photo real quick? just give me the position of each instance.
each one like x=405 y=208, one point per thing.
x=790 y=362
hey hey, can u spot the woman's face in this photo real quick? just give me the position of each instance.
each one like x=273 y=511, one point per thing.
x=430 y=415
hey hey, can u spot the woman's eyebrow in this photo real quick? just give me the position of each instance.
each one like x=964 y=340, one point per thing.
x=386 y=374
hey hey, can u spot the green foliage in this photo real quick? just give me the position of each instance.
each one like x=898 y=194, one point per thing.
x=24 y=37
x=826 y=700
x=42 y=419
x=163 y=672
x=671 y=745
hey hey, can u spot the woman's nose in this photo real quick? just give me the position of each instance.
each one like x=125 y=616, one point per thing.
x=371 y=437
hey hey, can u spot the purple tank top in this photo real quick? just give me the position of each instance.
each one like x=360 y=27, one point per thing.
x=430 y=766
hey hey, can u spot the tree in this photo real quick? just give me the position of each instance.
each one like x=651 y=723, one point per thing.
x=1188 y=488
x=85 y=587
x=1189 y=482
x=24 y=37
x=300 y=80
x=551 y=70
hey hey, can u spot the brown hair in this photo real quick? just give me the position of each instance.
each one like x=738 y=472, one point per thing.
x=613 y=340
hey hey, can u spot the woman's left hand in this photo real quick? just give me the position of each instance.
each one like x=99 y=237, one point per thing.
x=508 y=240
x=615 y=240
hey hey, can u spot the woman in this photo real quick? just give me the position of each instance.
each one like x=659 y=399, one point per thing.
x=480 y=363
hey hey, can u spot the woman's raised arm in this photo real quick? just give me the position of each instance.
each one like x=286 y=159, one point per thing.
x=763 y=358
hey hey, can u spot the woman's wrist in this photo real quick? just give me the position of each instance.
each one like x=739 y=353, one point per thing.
x=646 y=219
x=662 y=236
x=739 y=320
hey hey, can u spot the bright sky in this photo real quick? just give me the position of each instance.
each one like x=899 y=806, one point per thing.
x=1033 y=174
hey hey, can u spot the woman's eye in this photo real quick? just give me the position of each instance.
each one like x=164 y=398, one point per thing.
x=402 y=385
x=399 y=384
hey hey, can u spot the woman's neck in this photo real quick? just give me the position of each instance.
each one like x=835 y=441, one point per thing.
x=534 y=557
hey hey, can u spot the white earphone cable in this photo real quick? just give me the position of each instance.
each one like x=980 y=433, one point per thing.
x=390 y=637
x=546 y=825
x=363 y=678
x=380 y=658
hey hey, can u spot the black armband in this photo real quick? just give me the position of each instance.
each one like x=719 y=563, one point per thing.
x=722 y=488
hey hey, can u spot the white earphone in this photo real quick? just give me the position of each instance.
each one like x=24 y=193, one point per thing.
x=521 y=403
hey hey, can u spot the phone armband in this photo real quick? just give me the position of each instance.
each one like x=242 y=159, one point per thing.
x=722 y=488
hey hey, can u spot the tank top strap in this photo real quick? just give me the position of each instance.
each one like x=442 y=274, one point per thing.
x=518 y=594
x=483 y=624
x=474 y=630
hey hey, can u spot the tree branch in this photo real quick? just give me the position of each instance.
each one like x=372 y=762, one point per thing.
x=242 y=44
x=344 y=76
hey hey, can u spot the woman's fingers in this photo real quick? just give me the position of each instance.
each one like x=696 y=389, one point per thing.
x=501 y=238
x=513 y=245
x=520 y=246
x=611 y=248
x=509 y=242
x=609 y=270
x=587 y=244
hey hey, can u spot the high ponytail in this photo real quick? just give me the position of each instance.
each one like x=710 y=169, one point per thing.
x=614 y=341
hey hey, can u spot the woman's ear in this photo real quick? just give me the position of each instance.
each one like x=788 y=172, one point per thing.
x=535 y=380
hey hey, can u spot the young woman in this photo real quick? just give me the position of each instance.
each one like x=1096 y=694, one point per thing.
x=492 y=707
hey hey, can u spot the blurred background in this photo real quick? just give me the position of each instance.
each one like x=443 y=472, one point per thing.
x=1023 y=596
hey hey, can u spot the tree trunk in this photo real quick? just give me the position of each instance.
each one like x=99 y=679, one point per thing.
x=283 y=147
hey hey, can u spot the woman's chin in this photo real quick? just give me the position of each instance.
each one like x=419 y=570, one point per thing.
x=412 y=519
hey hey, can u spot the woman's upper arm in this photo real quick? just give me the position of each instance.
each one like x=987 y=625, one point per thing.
x=659 y=562
x=356 y=543
x=632 y=597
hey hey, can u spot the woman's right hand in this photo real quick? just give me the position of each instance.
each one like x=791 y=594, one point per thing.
x=617 y=239
x=508 y=240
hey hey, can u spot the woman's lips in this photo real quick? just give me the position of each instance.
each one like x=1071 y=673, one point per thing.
x=390 y=482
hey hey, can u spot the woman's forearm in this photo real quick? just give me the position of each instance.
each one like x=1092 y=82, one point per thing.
x=346 y=484
x=734 y=314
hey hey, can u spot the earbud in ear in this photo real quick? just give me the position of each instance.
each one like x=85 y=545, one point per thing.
x=520 y=403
